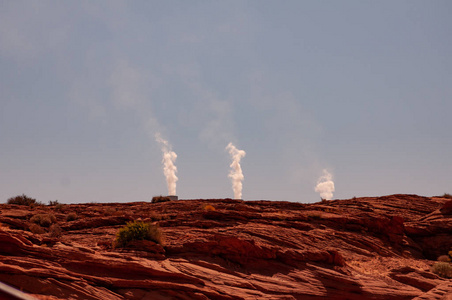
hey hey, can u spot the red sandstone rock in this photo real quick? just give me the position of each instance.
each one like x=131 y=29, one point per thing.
x=364 y=248
x=447 y=208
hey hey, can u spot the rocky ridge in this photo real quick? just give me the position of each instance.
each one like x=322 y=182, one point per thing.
x=361 y=248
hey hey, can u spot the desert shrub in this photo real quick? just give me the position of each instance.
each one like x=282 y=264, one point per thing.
x=446 y=195
x=138 y=230
x=208 y=207
x=154 y=216
x=36 y=229
x=45 y=220
x=57 y=205
x=444 y=258
x=53 y=203
x=157 y=199
x=23 y=200
x=443 y=269
x=71 y=217
x=55 y=231
x=109 y=211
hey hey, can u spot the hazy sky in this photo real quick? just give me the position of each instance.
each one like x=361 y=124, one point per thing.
x=360 y=88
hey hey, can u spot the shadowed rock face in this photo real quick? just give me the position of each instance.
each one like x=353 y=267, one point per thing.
x=362 y=248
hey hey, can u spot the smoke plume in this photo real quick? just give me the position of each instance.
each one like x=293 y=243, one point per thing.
x=325 y=186
x=236 y=174
x=169 y=169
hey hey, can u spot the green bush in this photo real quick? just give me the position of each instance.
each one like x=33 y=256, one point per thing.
x=157 y=199
x=138 y=230
x=23 y=200
x=443 y=269
x=45 y=220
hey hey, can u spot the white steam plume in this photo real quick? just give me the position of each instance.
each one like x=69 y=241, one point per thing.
x=236 y=174
x=325 y=186
x=169 y=169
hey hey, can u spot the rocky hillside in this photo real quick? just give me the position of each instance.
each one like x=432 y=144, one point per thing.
x=362 y=248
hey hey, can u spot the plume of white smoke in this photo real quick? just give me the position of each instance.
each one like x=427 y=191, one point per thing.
x=169 y=169
x=325 y=186
x=236 y=174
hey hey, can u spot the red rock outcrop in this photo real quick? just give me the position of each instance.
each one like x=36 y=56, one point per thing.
x=362 y=248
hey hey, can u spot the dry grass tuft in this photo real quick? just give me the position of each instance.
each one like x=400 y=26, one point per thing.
x=55 y=231
x=443 y=269
x=44 y=220
x=71 y=217
x=447 y=195
x=207 y=207
x=36 y=229
x=444 y=258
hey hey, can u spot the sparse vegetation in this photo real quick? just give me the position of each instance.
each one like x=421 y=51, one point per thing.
x=44 y=220
x=57 y=205
x=138 y=230
x=154 y=216
x=157 y=199
x=36 y=229
x=23 y=200
x=55 y=231
x=443 y=269
x=53 y=203
x=71 y=217
x=444 y=258
x=109 y=211
x=447 y=195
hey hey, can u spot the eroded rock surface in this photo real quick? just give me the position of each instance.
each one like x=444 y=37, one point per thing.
x=362 y=248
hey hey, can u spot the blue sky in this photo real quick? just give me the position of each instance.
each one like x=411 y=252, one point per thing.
x=360 y=88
